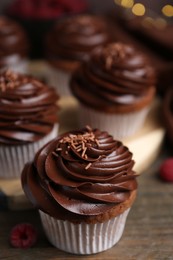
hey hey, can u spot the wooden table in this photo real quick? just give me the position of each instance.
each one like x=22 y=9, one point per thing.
x=148 y=233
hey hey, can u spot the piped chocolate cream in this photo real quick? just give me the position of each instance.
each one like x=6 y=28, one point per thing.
x=13 y=42
x=116 y=78
x=28 y=109
x=75 y=37
x=81 y=175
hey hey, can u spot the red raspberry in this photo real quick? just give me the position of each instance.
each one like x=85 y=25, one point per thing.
x=166 y=170
x=23 y=236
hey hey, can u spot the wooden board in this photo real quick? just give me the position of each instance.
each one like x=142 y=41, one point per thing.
x=145 y=146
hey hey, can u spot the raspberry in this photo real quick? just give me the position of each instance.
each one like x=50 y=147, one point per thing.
x=166 y=170
x=23 y=235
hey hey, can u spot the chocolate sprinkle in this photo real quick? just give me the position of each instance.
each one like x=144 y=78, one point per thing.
x=8 y=80
x=80 y=143
x=113 y=53
x=88 y=165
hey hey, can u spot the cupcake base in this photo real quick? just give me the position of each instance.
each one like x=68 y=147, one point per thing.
x=118 y=125
x=13 y=158
x=83 y=238
x=59 y=79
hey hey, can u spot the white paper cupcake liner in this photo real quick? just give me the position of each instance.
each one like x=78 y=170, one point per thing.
x=118 y=125
x=83 y=238
x=59 y=79
x=13 y=158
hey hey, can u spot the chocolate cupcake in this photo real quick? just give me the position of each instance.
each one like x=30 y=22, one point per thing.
x=13 y=46
x=84 y=185
x=37 y=17
x=114 y=88
x=156 y=35
x=69 y=44
x=28 y=120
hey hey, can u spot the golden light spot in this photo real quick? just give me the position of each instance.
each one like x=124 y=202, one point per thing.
x=127 y=3
x=138 y=9
x=167 y=10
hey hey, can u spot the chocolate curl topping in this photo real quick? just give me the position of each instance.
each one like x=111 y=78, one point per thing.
x=28 y=109
x=8 y=80
x=78 y=144
x=114 y=53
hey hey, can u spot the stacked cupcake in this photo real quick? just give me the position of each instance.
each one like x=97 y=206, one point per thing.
x=28 y=120
x=69 y=44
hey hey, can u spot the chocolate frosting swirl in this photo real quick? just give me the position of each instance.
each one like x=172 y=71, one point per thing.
x=85 y=172
x=28 y=109
x=73 y=38
x=13 y=41
x=115 y=77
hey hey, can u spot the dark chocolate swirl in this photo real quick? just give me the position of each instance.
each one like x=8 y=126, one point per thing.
x=115 y=77
x=13 y=41
x=73 y=38
x=28 y=109
x=84 y=172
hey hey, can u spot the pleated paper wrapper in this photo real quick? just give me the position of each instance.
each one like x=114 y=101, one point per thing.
x=59 y=79
x=13 y=158
x=118 y=125
x=83 y=238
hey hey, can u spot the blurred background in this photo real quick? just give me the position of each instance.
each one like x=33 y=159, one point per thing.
x=97 y=6
x=144 y=23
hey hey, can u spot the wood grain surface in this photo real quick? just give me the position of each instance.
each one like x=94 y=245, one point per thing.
x=148 y=233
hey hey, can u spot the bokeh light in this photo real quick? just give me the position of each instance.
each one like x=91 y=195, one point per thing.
x=167 y=10
x=127 y=3
x=138 y=9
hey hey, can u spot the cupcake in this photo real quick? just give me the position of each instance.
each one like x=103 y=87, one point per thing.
x=153 y=33
x=168 y=113
x=84 y=185
x=69 y=43
x=13 y=46
x=114 y=89
x=38 y=16
x=28 y=120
